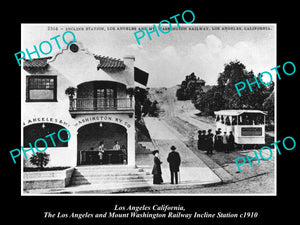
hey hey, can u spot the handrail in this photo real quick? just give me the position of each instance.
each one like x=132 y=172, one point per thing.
x=77 y=104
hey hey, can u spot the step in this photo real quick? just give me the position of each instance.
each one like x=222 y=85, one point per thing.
x=111 y=184
x=104 y=181
x=107 y=168
x=107 y=183
x=106 y=177
x=147 y=145
x=110 y=175
x=104 y=174
x=141 y=149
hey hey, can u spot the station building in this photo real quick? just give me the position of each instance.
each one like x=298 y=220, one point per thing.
x=91 y=96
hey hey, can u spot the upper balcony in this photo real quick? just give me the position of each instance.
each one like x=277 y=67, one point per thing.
x=101 y=97
x=101 y=105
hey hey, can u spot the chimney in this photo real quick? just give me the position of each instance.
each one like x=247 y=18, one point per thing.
x=129 y=61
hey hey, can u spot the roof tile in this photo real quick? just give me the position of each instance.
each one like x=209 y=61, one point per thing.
x=109 y=63
x=105 y=62
x=36 y=63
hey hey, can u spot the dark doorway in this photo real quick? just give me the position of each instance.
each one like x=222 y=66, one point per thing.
x=89 y=138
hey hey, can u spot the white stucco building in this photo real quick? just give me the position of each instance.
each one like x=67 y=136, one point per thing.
x=98 y=106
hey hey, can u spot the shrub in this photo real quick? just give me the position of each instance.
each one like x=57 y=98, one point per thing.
x=40 y=159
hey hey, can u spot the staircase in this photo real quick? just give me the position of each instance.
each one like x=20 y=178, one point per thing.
x=110 y=176
x=145 y=147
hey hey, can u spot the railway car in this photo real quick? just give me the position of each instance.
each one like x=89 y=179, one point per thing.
x=247 y=126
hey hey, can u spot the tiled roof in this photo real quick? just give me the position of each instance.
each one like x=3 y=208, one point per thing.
x=36 y=63
x=109 y=63
x=106 y=63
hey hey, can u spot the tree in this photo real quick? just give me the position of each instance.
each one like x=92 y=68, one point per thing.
x=268 y=105
x=40 y=159
x=233 y=73
x=225 y=96
x=210 y=101
x=189 y=87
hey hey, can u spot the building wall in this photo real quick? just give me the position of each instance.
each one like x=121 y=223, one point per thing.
x=71 y=70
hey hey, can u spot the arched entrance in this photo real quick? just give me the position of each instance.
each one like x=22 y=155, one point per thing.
x=41 y=130
x=89 y=138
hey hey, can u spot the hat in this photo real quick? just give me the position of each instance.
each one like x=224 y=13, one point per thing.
x=155 y=151
x=173 y=147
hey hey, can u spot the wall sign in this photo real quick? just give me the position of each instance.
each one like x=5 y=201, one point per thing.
x=102 y=118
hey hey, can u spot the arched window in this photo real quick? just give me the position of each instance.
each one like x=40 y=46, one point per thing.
x=41 y=130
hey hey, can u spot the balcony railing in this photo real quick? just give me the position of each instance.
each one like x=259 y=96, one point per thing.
x=100 y=104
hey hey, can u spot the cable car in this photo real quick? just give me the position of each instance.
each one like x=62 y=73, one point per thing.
x=247 y=126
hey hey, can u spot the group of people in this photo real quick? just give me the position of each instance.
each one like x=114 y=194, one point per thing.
x=174 y=161
x=116 y=147
x=207 y=141
x=220 y=141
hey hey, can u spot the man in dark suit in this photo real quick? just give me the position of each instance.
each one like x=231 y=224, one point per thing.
x=174 y=163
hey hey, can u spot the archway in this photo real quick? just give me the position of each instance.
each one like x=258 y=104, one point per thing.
x=89 y=138
x=41 y=130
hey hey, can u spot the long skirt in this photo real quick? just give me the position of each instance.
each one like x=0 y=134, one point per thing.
x=157 y=179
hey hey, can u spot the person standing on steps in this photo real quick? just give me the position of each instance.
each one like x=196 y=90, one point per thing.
x=174 y=163
x=156 y=171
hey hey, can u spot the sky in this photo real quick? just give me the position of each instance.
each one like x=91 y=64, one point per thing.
x=171 y=56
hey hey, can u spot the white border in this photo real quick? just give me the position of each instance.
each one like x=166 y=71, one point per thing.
x=144 y=24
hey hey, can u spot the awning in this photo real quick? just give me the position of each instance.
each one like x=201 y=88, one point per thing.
x=140 y=76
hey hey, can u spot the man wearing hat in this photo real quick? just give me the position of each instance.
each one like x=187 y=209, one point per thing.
x=174 y=163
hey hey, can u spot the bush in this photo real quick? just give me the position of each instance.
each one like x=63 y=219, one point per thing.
x=40 y=159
